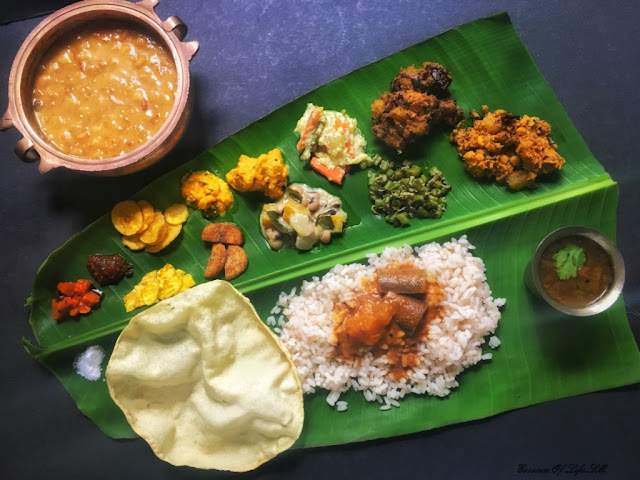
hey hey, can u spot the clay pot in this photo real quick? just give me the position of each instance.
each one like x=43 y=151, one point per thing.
x=20 y=113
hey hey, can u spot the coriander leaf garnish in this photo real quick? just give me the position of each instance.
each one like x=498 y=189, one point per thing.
x=568 y=261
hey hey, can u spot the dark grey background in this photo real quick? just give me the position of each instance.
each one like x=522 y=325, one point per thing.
x=255 y=57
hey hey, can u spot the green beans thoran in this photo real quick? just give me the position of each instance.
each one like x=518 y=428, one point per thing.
x=405 y=192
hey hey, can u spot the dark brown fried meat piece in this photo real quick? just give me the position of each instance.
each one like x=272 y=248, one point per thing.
x=399 y=117
x=108 y=269
x=418 y=101
x=432 y=78
x=403 y=279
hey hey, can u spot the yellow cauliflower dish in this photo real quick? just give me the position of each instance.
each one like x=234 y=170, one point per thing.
x=203 y=190
x=266 y=174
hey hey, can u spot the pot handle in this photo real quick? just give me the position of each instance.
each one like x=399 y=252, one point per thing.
x=6 y=122
x=176 y=25
x=179 y=28
x=24 y=149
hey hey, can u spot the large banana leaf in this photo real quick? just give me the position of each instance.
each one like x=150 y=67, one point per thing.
x=543 y=356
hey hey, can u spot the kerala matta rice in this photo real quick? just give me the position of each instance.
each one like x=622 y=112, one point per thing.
x=205 y=382
x=453 y=343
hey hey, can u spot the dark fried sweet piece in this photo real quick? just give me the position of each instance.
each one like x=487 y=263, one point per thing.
x=400 y=117
x=108 y=269
x=222 y=232
x=216 y=262
x=432 y=78
x=515 y=150
x=236 y=263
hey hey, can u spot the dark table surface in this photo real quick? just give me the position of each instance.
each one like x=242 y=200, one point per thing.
x=255 y=57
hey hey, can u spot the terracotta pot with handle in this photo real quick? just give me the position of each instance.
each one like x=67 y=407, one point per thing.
x=20 y=114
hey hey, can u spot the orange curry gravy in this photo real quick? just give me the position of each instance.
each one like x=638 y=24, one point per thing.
x=103 y=90
x=375 y=320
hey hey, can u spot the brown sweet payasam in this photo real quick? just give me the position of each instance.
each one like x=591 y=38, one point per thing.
x=383 y=320
x=102 y=91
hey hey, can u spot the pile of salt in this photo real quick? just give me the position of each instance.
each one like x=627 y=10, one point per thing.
x=87 y=364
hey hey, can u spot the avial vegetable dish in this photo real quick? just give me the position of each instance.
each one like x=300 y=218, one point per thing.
x=302 y=217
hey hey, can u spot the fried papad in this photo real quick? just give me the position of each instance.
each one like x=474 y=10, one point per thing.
x=205 y=382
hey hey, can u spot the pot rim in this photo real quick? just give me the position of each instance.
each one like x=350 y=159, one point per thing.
x=140 y=13
x=617 y=263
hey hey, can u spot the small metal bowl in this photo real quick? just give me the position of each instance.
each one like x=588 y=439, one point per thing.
x=20 y=113
x=532 y=276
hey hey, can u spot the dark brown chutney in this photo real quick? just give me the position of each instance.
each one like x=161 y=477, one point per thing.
x=592 y=281
x=108 y=269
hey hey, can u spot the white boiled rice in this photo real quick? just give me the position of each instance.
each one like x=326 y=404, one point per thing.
x=453 y=342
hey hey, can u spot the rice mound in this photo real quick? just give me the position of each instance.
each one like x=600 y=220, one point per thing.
x=453 y=342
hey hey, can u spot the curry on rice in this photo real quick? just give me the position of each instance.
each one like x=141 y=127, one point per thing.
x=388 y=317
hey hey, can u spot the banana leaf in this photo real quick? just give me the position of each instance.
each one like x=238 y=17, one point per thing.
x=544 y=355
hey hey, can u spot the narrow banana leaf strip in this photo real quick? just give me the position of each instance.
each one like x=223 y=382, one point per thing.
x=543 y=356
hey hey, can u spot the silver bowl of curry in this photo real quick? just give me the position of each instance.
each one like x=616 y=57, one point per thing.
x=101 y=86
x=577 y=270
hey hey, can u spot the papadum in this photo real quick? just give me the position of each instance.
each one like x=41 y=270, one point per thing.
x=205 y=382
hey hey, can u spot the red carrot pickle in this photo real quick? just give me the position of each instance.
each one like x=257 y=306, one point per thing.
x=74 y=299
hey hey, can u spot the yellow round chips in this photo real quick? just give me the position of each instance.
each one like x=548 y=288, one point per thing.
x=133 y=242
x=172 y=231
x=151 y=234
x=143 y=227
x=205 y=382
x=127 y=217
x=176 y=214
x=148 y=212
